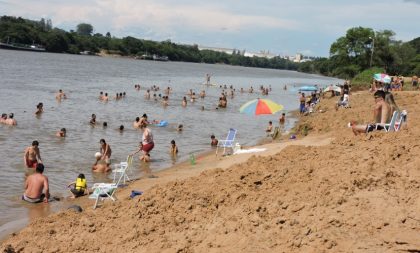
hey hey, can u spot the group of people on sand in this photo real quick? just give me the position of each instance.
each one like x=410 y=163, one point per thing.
x=8 y=119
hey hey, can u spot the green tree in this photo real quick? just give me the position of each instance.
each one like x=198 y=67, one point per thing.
x=84 y=29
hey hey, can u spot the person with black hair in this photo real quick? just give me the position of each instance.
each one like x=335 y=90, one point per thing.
x=79 y=187
x=36 y=187
x=32 y=156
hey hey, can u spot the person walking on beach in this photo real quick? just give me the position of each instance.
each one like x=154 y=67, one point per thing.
x=32 y=156
x=302 y=101
x=36 y=187
x=105 y=151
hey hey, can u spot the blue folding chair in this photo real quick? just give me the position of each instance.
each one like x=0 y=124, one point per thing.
x=228 y=143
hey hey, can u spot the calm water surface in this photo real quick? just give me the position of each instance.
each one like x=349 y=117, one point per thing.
x=28 y=78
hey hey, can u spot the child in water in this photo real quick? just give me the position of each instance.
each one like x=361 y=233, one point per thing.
x=174 y=148
x=79 y=187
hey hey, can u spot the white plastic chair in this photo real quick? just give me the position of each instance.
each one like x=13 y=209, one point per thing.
x=228 y=143
x=122 y=168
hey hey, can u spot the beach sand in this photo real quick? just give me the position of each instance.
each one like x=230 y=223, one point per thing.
x=328 y=191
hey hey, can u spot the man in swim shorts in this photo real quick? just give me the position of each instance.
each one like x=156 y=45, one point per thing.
x=382 y=113
x=32 y=155
x=36 y=187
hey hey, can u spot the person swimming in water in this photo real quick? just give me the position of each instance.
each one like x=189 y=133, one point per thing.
x=61 y=133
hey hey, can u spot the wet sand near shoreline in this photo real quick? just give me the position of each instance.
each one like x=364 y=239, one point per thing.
x=328 y=191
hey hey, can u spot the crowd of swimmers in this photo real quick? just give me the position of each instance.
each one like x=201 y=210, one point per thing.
x=36 y=185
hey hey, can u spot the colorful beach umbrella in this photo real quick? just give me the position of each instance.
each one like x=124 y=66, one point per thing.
x=308 y=88
x=334 y=88
x=260 y=106
x=381 y=77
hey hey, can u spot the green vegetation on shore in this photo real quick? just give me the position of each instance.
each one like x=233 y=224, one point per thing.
x=358 y=54
x=19 y=30
x=363 y=51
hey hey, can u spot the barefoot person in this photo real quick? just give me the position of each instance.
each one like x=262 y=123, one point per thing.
x=36 y=187
x=32 y=155
x=381 y=115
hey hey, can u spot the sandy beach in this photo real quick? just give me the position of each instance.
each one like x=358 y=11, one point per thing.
x=327 y=191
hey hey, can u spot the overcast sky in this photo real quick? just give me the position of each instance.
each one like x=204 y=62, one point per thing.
x=283 y=27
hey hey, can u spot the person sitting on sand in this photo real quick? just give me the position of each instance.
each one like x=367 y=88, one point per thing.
x=61 y=133
x=343 y=101
x=39 y=109
x=10 y=121
x=36 y=187
x=100 y=165
x=32 y=156
x=105 y=151
x=214 y=141
x=136 y=123
x=79 y=187
x=174 y=148
x=381 y=115
x=93 y=119
x=269 y=128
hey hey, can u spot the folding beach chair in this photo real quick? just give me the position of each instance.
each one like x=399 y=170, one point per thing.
x=121 y=169
x=102 y=191
x=228 y=143
x=389 y=127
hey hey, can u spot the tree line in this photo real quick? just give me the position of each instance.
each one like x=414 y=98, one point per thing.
x=363 y=51
x=24 y=31
x=356 y=55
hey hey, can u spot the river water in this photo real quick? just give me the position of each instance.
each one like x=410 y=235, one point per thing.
x=27 y=78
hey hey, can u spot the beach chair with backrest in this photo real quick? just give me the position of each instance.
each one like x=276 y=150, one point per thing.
x=228 y=143
x=275 y=133
x=102 y=191
x=389 y=127
x=402 y=119
x=122 y=168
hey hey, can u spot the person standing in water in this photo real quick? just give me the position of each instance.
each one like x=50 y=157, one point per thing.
x=32 y=156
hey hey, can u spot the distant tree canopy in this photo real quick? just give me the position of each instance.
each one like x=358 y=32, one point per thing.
x=363 y=48
x=360 y=49
x=84 y=29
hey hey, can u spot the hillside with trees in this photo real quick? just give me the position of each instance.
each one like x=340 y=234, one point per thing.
x=363 y=49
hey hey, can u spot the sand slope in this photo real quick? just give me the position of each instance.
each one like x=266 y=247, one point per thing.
x=356 y=194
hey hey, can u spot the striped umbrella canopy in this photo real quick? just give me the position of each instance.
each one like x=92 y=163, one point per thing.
x=260 y=106
x=381 y=77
